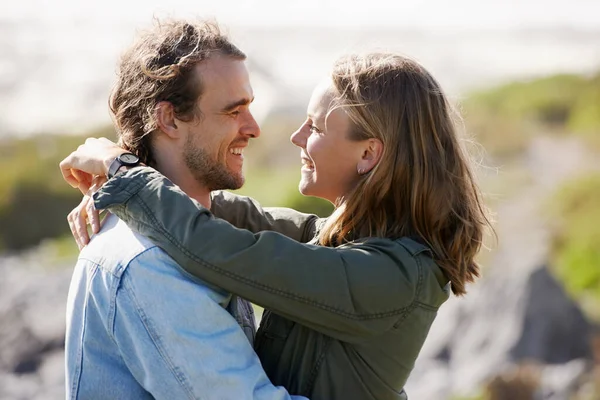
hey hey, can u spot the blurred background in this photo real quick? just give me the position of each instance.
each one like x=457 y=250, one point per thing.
x=525 y=75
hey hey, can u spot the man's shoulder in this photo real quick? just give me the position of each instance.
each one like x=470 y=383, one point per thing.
x=119 y=251
x=116 y=245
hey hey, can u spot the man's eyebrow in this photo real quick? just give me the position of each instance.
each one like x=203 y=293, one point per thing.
x=241 y=102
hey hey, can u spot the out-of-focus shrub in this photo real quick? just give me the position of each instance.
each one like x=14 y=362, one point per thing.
x=279 y=188
x=520 y=383
x=33 y=213
x=548 y=100
x=585 y=116
x=504 y=119
x=576 y=245
x=34 y=199
x=307 y=204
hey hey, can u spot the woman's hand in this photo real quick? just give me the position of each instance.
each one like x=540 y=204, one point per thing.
x=84 y=212
x=89 y=160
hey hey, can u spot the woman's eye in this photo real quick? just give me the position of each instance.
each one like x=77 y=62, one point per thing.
x=314 y=129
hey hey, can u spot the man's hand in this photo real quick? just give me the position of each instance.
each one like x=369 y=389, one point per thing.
x=91 y=159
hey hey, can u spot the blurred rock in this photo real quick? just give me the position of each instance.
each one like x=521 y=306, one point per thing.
x=32 y=327
x=560 y=381
x=554 y=329
x=509 y=320
x=533 y=381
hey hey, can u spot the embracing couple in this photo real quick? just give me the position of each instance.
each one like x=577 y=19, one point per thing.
x=158 y=304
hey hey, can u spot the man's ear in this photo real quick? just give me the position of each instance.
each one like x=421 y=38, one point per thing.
x=165 y=119
x=372 y=153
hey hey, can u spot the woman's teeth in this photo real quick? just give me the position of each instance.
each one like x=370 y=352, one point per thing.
x=307 y=164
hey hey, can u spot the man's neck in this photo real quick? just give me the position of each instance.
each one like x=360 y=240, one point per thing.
x=182 y=177
x=198 y=193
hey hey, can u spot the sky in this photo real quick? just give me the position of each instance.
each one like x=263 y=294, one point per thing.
x=58 y=57
x=432 y=14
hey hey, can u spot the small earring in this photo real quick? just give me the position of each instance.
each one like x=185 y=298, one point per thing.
x=361 y=171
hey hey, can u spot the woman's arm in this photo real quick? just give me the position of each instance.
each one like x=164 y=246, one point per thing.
x=93 y=158
x=349 y=292
x=246 y=213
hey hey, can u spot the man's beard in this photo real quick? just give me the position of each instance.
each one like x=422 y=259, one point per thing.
x=208 y=171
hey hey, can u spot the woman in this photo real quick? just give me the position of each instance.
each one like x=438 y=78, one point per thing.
x=349 y=312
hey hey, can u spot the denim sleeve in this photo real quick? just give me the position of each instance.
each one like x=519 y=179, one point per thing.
x=178 y=340
x=350 y=292
x=246 y=213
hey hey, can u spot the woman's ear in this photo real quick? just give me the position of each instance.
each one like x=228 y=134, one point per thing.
x=371 y=156
x=165 y=119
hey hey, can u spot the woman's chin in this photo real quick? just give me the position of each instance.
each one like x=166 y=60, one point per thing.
x=309 y=190
x=305 y=188
x=302 y=189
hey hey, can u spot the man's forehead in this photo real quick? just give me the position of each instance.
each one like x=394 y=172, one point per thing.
x=224 y=78
x=218 y=63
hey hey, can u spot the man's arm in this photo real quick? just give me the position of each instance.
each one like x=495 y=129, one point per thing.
x=178 y=340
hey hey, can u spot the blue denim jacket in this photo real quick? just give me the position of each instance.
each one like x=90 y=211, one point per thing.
x=139 y=327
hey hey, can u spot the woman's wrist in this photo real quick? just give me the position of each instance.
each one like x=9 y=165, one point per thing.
x=122 y=159
x=106 y=164
x=125 y=168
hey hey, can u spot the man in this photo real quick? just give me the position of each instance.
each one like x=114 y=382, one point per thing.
x=138 y=326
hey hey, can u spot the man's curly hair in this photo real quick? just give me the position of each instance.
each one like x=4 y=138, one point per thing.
x=159 y=66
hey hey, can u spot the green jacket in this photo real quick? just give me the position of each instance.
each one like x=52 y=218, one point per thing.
x=344 y=323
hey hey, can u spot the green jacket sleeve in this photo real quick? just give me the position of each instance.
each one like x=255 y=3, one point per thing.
x=246 y=213
x=350 y=292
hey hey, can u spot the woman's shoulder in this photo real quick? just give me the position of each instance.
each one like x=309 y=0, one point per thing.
x=434 y=286
x=408 y=245
x=416 y=262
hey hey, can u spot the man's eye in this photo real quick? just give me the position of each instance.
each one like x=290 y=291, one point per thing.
x=235 y=113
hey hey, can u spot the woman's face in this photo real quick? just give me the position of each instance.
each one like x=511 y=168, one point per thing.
x=329 y=158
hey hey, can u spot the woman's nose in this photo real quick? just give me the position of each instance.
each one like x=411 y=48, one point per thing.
x=299 y=137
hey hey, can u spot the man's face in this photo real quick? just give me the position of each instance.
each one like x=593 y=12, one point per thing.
x=215 y=142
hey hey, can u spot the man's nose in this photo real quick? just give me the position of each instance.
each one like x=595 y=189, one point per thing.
x=251 y=127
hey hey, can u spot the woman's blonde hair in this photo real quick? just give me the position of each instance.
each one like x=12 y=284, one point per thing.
x=423 y=186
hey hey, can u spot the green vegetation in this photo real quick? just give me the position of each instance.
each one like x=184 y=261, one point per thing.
x=34 y=199
x=576 y=248
x=279 y=187
x=504 y=119
x=59 y=251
